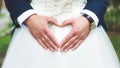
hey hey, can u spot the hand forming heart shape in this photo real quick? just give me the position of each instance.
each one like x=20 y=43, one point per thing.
x=79 y=31
x=39 y=28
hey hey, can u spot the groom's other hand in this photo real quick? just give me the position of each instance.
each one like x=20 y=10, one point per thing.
x=38 y=27
x=80 y=30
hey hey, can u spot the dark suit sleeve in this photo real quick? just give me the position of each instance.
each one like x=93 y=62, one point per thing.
x=16 y=8
x=98 y=7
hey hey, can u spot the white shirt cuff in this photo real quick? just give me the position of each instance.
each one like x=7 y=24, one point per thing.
x=91 y=14
x=24 y=16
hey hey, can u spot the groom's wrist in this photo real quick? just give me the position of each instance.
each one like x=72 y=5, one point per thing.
x=92 y=15
x=21 y=19
x=90 y=20
x=29 y=19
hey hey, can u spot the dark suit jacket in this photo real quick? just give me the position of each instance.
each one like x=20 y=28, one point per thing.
x=17 y=7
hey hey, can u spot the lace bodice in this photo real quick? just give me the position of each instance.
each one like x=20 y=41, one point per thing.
x=55 y=7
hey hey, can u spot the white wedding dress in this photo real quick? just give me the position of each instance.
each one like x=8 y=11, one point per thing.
x=95 y=52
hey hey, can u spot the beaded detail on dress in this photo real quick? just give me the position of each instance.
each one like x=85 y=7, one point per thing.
x=58 y=6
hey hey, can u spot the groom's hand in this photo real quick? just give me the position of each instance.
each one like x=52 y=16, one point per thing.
x=38 y=27
x=80 y=30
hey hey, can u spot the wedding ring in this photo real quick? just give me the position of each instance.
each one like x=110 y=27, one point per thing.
x=42 y=39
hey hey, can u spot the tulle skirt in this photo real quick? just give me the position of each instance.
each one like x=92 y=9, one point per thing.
x=95 y=52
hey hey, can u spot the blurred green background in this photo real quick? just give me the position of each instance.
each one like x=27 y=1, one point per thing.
x=112 y=17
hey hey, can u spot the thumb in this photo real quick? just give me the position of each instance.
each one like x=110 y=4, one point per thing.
x=53 y=21
x=66 y=22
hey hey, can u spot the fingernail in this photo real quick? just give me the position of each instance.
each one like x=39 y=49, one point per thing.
x=56 y=49
x=52 y=50
x=73 y=49
x=45 y=48
x=61 y=50
x=65 y=50
x=60 y=45
x=60 y=24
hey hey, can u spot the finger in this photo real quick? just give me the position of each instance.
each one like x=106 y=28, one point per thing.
x=51 y=37
x=53 y=21
x=42 y=38
x=38 y=39
x=81 y=39
x=66 y=22
x=50 y=43
x=66 y=39
x=68 y=43
x=42 y=44
x=68 y=48
x=48 y=46
x=76 y=45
